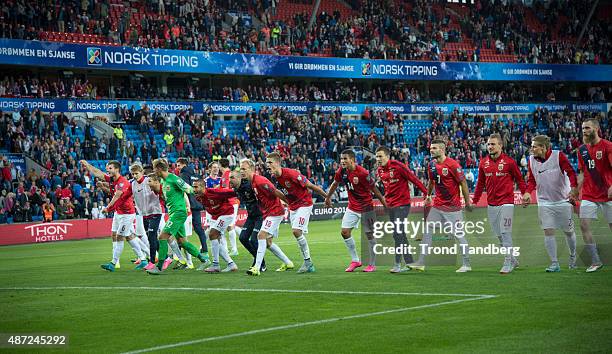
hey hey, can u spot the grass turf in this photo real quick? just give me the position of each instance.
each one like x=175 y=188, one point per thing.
x=532 y=312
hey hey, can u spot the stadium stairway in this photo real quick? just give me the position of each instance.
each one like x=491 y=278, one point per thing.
x=286 y=10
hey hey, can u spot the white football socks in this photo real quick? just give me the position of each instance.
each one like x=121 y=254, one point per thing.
x=303 y=244
x=232 y=239
x=113 y=254
x=261 y=251
x=144 y=245
x=570 y=238
x=463 y=246
x=592 y=248
x=372 y=244
x=223 y=241
x=424 y=246
x=224 y=254
x=176 y=250
x=215 y=251
x=117 y=251
x=551 y=248
x=506 y=238
x=136 y=248
x=276 y=250
x=352 y=248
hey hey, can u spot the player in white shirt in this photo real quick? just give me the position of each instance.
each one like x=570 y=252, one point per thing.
x=553 y=178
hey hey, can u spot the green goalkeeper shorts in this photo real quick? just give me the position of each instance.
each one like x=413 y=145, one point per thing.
x=175 y=225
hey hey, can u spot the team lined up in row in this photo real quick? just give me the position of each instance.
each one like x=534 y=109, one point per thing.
x=550 y=174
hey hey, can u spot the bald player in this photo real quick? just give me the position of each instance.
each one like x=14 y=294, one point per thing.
x=595 y=164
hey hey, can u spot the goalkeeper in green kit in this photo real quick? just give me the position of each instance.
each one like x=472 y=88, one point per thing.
x=173 y=190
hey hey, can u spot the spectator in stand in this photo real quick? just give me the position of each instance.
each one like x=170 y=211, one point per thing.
x=169 y=139
x=96 y=212
x=313 y=140
x=48 y=211
x=8 y=207
x=344 y=92
x=410 y=30
x=22 y=212
x=65 y=209
x=469 y=177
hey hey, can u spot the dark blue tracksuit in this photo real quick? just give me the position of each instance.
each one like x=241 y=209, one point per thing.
x=250 y=229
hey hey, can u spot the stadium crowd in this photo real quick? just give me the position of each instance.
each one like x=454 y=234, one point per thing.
x=313 y=141
x=30 y=86
x=410 y=30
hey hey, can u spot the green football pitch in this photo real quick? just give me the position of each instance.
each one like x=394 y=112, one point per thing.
x=59 y=288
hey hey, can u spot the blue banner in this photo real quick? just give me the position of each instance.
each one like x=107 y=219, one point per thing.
x=69 y=55
x=19 y=161
x=239 y=108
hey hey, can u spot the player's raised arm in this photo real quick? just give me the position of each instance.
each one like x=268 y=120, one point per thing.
x=111 y=204
x=184 y=186
x=316 y=189
x=104 y=186
x=93 y=170
x=330 y=192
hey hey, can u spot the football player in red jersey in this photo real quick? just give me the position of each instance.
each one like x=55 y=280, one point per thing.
x=217 y=202
x=232 y=230
x=122 y=204
x=446 y=175
x=296 y=188
x=269 y=199
x=395 y=177
x=595 y=164
x=360 y=187
x=497 y=173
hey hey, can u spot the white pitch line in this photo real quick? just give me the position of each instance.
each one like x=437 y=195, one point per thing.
x=303 y=324
x=468 y=297
x=306 y=291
